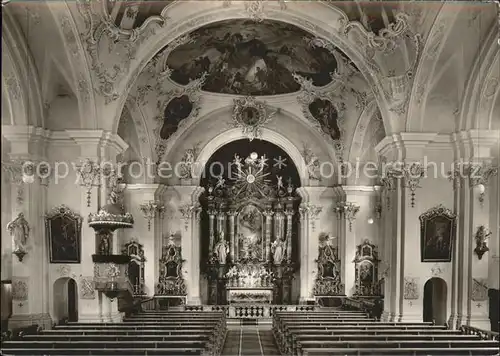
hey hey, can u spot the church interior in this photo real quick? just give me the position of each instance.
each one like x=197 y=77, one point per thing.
x=250 y=177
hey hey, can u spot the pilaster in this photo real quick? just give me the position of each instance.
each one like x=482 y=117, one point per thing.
x=309 y=210
x=190 y=210
x=98 y=151
x=30 y=277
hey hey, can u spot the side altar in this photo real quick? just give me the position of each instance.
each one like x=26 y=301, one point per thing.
x=251 y=236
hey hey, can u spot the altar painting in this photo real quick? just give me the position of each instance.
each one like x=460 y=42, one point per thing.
x=250 y=246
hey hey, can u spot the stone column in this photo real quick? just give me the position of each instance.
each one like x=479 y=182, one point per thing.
x=269 y=225
x=190 y=211
x=232 y=216
x=289 y=214
x=30 y=282
x=211 y=217
x=150 y=238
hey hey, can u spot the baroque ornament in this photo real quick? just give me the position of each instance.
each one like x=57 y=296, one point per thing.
x=20 y=288
x=312 y=163
x=122 y=44
x=151 y=209
x=411 y=291
x=193 y=92
x=87 y=288
x=89 y=175
x=188 y=160
x=251 y=115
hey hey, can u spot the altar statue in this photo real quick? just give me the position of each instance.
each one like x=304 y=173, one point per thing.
x=278 y=249
x=221 y=249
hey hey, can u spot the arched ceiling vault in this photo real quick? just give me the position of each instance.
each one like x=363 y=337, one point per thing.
x=447 y=61
x=20 y=76
x=479 y=99
x=186 y=17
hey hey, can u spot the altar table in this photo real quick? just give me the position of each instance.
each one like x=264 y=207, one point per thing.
x=243 y=295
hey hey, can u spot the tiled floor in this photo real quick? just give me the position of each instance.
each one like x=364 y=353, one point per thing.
x=250 y=341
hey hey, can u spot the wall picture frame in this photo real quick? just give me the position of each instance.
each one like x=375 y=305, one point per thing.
x=437 y=234
x=64 y=230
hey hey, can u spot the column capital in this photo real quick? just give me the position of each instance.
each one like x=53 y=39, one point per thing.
x=193 y=191
x=91 y=143
x=314 y=194
x=405 y=145
x=147 y=189
x=26 y=142
x=474 y=144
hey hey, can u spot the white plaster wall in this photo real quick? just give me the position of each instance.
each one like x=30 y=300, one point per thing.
x=433 y=191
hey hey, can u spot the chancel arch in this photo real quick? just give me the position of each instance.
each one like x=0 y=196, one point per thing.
x=267 y=135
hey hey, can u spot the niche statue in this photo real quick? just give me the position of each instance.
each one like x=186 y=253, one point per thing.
x=279 y=250
x=221 y=249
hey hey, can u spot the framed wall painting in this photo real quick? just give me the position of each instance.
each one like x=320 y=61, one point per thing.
x=437 y=234
x=64 y=230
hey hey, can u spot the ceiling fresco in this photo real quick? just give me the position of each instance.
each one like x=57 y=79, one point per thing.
x=245 y=57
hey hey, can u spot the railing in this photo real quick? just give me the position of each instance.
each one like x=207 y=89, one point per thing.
x=249 y=311
x=483 y=334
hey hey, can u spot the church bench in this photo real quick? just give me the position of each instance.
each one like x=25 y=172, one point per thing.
x=134 y=344
x=383 y=337
x=403 y=352
x=141 y=323
x=99 y=337
x=370 y=344
x=128 y=332
x=94 y=351
x=131 y=327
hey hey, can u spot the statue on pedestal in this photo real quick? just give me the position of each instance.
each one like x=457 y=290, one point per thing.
x=221 y=249
x=278 y=249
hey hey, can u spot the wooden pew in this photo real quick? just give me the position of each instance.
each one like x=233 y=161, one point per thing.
x=316 y=335
x=184 y=333
x=403 y=352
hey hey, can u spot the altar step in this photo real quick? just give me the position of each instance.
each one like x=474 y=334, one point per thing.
x=248 y=322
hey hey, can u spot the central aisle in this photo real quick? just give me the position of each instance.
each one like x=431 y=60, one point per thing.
x=250 y=341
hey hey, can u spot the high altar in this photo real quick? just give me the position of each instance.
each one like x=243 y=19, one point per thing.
x=250 y=232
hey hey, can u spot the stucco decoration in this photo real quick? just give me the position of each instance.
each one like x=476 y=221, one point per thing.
x=101 y=35
x=327 y=115
x=188 y=160
x=63 y=270
x=411 y=291
x=158 y=71
x=87 y=290
x=189 y=97
x=251 y=115
x=312 y=163
x=479 y=289
x=437 y=270
x=20 y=288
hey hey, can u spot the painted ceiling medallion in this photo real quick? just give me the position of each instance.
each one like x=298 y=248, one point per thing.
x=251 y=115
x=245 y=57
